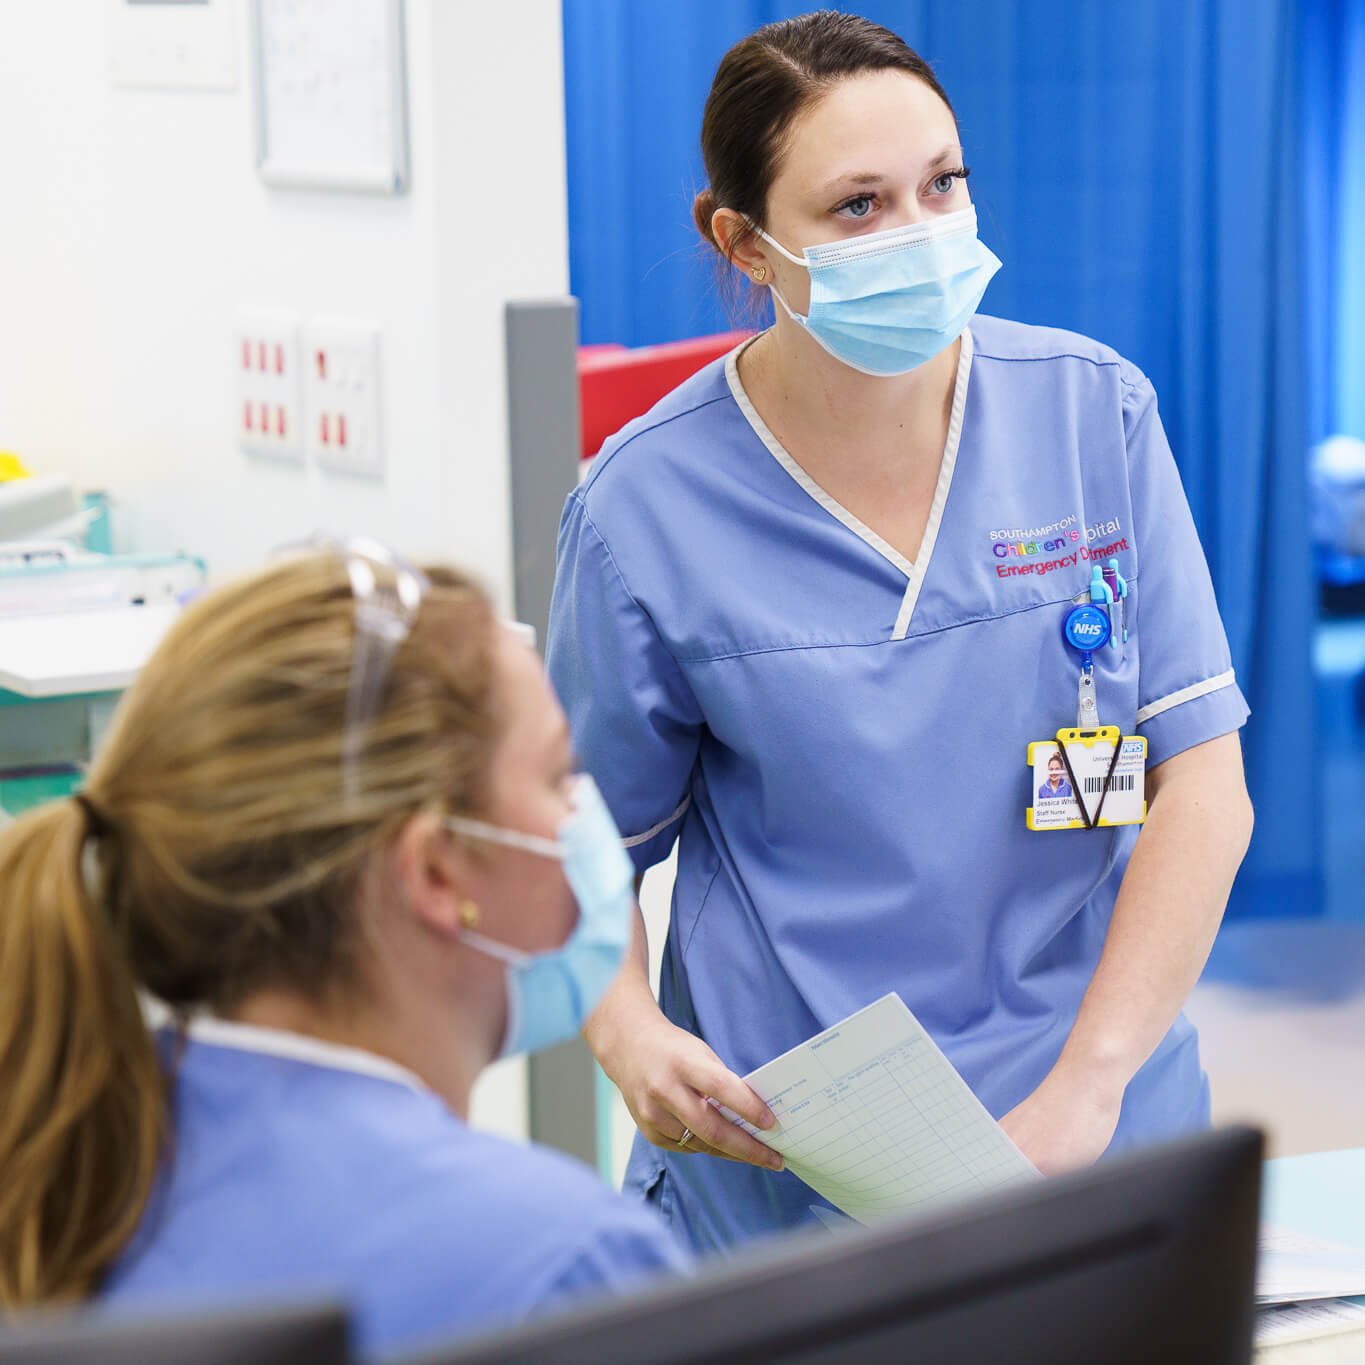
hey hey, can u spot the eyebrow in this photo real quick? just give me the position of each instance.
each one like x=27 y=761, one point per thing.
x=950 y=154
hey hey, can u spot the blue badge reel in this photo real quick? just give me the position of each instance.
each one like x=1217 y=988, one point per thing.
x=1087 y=629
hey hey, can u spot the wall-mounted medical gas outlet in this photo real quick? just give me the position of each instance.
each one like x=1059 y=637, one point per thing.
x=341 y=387
x=268 y=412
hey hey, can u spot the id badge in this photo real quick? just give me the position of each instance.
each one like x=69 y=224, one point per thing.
x=1084 y=779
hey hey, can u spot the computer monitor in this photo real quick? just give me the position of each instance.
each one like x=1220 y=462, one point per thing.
x=318 y=1334
x=1147 y=1259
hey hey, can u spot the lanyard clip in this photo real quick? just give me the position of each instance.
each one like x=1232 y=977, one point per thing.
x=1087 y=710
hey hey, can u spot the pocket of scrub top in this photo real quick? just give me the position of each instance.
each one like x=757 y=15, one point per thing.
x=693 y=887
x=658 y=1191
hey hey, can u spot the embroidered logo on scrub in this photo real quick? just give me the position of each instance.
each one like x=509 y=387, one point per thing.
x=1032 y=550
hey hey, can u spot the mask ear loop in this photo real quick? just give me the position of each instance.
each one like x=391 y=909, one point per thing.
x=531 y=843
x=773 y=242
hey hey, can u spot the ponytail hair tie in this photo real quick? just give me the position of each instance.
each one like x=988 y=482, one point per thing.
x=96 y=822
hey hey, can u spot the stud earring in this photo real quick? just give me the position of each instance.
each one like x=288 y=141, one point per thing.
x=469 y=914
x=760 y=273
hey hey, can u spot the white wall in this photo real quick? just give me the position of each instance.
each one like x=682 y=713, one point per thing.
x=134 y=227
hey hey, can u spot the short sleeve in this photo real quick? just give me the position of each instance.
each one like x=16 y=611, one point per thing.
x=1187 y=692
x=635 y=722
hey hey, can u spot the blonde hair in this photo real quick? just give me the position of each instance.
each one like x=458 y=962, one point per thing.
x=217 y=855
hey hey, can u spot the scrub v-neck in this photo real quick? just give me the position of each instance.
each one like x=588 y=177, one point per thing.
x=914 y=571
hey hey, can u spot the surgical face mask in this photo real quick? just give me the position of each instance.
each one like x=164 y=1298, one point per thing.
x=551 y=994
x=886 y=302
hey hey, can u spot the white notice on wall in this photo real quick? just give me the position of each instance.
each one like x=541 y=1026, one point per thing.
x=872 y=1115
x=330 y=93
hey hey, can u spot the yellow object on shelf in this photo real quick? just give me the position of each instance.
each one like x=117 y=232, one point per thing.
x=12 y=467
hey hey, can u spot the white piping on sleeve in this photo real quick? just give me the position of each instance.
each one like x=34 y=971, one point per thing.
x=1199 y=689
x=663 y=824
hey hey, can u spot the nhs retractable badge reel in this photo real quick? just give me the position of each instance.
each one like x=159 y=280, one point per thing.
x=1092 y=774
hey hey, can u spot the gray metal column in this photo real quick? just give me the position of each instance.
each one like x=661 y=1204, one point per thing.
x=544 y=438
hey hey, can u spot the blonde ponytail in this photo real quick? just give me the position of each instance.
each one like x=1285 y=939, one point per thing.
x=82 y=1099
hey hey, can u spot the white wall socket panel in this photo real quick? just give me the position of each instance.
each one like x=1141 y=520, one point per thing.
x=268 y=412
x=341 y=388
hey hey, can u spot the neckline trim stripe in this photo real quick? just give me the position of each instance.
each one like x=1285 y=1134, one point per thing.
x=914 y=572
x=275 y=1042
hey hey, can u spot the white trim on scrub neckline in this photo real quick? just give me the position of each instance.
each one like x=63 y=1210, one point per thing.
x=914 y=572
x=276 y=1042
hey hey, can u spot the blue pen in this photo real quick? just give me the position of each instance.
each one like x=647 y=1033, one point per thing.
x=1120 y=590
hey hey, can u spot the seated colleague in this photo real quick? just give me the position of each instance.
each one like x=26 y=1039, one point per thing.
x=329 y=774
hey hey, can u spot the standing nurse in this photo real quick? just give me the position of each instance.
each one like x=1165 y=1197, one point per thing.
x=808 y=619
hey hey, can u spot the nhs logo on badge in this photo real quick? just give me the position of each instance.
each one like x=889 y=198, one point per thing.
x=1086 y=628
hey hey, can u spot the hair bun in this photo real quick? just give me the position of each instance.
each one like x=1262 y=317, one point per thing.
x=703 y=206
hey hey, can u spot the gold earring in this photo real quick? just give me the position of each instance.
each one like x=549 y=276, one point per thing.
x=760 y=273
x=469 y=914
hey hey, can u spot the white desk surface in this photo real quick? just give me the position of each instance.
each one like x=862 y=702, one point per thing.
x=72 y=652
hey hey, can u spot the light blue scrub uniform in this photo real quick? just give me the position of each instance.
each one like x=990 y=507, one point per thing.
x=298 y=1168
x=838 y=736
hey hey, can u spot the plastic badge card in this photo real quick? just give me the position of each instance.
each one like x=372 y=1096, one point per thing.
x=1087 y=778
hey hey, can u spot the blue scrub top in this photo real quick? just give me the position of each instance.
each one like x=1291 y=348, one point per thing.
x=838 y=737
x=303 y=1169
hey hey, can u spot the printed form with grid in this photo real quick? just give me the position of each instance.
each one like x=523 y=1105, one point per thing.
x=872 y=1115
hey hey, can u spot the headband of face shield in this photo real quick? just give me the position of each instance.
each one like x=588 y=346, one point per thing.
x=388 y=592
x=551 y=994
x=886 y=302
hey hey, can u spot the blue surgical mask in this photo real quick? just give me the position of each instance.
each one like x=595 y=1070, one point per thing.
x=551 y=994
x=886 y=302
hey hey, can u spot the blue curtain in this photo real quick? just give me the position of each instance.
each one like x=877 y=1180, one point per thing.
x=1141 y=172
x=1333 y=183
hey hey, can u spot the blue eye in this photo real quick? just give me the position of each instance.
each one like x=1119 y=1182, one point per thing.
x=858 y=207
x=943 y=184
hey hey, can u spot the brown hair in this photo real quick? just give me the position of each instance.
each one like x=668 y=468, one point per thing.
x=762 y=84
x=212 y=853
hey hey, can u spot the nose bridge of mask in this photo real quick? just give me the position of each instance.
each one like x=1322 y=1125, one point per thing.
x=859 y=282
x=824 y=255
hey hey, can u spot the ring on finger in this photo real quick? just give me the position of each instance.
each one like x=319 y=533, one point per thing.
x=687 y=1136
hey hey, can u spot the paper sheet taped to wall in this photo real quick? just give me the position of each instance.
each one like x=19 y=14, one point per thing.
x=872 y=1115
